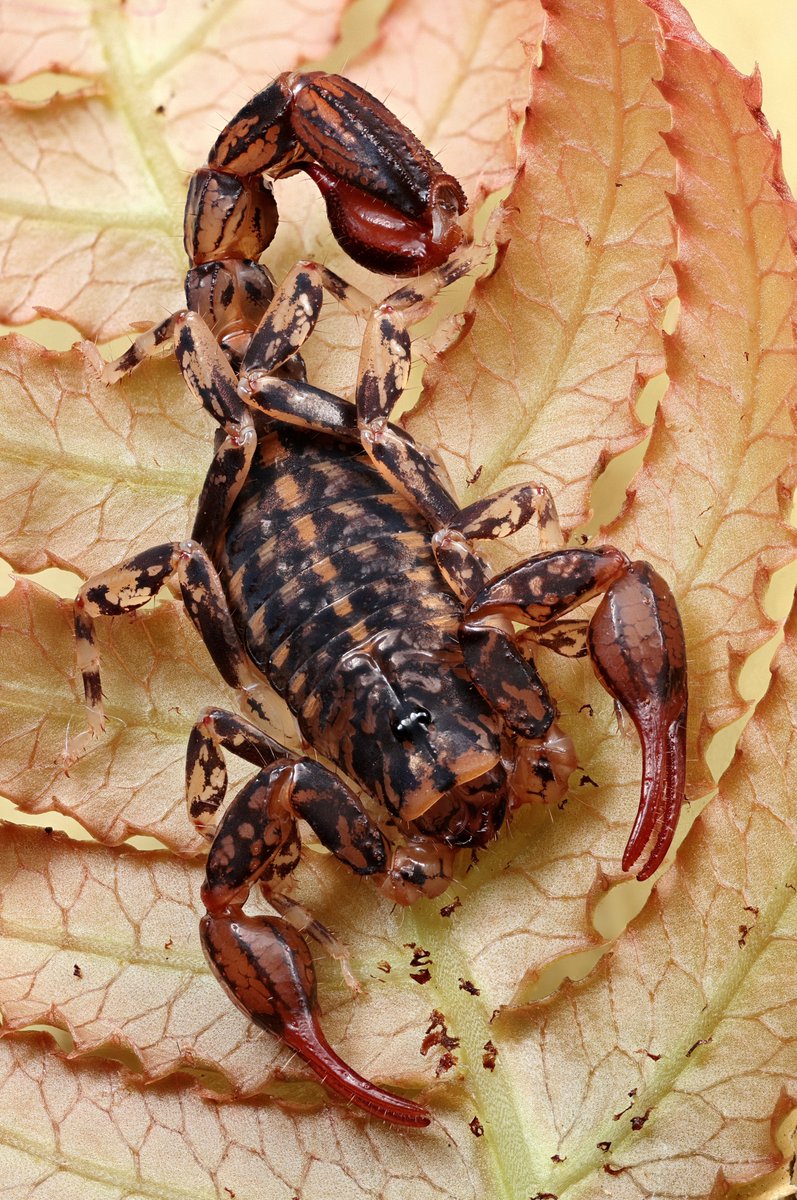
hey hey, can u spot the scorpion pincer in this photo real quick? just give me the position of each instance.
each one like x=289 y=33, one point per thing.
x=329 y=561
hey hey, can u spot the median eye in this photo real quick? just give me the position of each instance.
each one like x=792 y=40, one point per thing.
x=407 y=723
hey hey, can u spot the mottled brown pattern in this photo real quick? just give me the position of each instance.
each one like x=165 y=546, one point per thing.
x=330 y=562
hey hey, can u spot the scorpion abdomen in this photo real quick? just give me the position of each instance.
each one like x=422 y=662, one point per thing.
x=338 y=598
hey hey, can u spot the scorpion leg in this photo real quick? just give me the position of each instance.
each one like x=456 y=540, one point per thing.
x=131 y=584
x=636 y=643
x=294 y=310
x=206 y=788
x=262 y=962
x=207 y=372
x=150 y=344
x=212 y=380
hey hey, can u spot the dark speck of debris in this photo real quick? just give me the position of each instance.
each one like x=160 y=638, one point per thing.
x=437 y=1034
x=76 y=971
x=160 y=110
x=444 y=1063
x=384 y=966
x=557 y=1158
x=230 y=1192
x=610 y=1170
x=168 y=945
x=699 y=1042
x=476 y=1127
x=420 y=957
x=422 y=976
x=470 y=482
x=465 y=985
x=588 y=708
x=489 y=1056
x=650 y=1054
x=48 y=829
x=447 y=909
x=743 y=932
x=638 y=1122
x=544 y=1196
x=587 y=779
x=604 y=1147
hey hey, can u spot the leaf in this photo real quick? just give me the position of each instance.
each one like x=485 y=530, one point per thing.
x=568 y=329
x=88 y=1134
x=695 y=1005
x=725 y=431
x=158 y=677
x=544 y=382
x=70 y=502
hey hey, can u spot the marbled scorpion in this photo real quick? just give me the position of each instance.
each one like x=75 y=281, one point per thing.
x=329 y=561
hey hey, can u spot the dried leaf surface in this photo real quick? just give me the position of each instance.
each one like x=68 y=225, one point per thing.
x=567 y=330
x=716 y=946
x=86 y=1135
x=91 y=177
x=692 y=1019
x=158 y=677
x=715 y=490
x=466 y=108
x=91 y=474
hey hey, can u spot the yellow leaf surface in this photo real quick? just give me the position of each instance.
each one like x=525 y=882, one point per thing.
x=691 y=1021
x=568 y=328
x=81 y=503
x=87 y=1135
x=715 y=491
x=465 y=109
x=158 y=677
x=88 y=176
x=691 y=1009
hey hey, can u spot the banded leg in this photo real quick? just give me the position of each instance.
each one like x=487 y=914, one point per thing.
x=150 y=344
x=131 y=584
x=262 y=962
x=293 y=312
x=213 y=382
x=206 y=787
x=636 y=643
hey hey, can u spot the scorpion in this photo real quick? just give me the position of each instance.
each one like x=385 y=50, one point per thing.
x=330 y=562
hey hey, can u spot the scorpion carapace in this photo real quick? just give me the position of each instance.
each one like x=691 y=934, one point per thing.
x=329 y=561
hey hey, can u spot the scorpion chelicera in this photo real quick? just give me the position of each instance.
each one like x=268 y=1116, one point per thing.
x=329 y=561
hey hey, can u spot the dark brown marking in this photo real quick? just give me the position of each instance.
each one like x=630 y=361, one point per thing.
x=437 y=1034
x=490 y=1055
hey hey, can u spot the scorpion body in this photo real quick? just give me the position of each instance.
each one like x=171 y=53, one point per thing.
x=365 y=637
x=329 y=562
